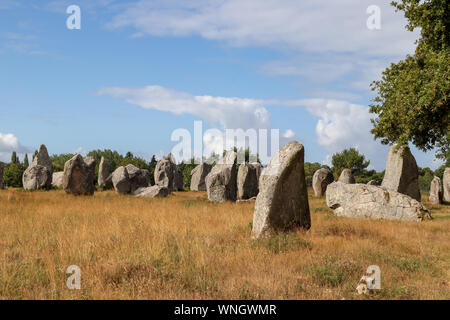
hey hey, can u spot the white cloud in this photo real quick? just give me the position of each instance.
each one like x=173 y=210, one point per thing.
x=229 y=112
x=288 y=134
x=340 y=124
x=331 y=68
x=9 y=143
x=314 y=26
x=322 y=40
x=343 y=125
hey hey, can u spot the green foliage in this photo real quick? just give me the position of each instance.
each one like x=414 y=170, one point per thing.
x=366 y=175
x=185 y=169
x=12 y=175
x=439 y=172
x=151 y=169
x=425 y=177
x=310 y=168
x=14 y=158
x=136 y=161
x=413 y=96
x=58 y=161
x=349 y=159
x=26 y=164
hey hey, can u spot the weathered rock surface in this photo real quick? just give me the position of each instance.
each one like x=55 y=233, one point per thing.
x=57 y=179
x=221 y=181
x=39 y=174
x=247 y=180
x=139 y=178
x=436 y=191
x=321 y=179
x=282 y=201
x=166 y=173
x=78 y=178
x=130 y=178
x=152 y=192
x=366 y=201
x=104 y=173
x=402 y=174
x=346 y=176
x=373 y=183
x=198 y=175
x=120 y=180
x=446 y=184
x=2 y=167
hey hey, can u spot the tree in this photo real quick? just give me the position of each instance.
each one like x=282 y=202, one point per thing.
x=129 y=155
x=413 y=96
x=349 y=159
x=425 y=177
x=14 y=158
x=59 y=160
x=12 y=175
x=310 y=169
x=26 y=164
x=151 y=169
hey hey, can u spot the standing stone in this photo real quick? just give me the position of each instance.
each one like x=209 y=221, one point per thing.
x=282 y=201
x=446 y=184
x=365 y=201
x=120 y=180
x=402 y=173
x=221 y=181
x=39 y=174
x=152 y=192
x=57 y=179
x=321 y=179
x=247 y=180
x=346 y=176
x=166 y=173
x=139 y=178
x=130 y=178
x=2 y=166
x=104 y=173
x=436 y=191
x=79 y=175
x=199 y=174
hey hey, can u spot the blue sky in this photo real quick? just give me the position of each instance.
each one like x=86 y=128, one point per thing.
x=138 y=70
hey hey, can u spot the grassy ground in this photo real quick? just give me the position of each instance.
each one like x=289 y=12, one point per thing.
x=183 y=247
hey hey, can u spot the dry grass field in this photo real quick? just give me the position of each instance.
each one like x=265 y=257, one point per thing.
x=183 y=247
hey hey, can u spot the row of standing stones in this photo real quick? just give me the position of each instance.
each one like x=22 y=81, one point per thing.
x=280 y=188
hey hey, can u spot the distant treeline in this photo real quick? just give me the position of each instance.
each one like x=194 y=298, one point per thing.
x=348 y=158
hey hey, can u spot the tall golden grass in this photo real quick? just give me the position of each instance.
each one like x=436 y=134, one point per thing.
x=184 y=247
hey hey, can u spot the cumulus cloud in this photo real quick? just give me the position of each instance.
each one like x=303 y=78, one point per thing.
x=340 y=124
x=9 y=143
x=229 y=112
